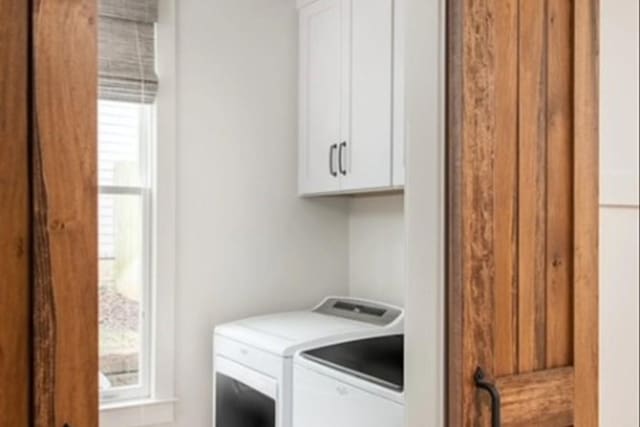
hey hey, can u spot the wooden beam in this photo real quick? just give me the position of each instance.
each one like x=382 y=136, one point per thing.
x=14 y=215
x=65 y=213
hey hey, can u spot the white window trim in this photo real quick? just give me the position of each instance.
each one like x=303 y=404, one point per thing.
x=137 y=413
x=159 y=407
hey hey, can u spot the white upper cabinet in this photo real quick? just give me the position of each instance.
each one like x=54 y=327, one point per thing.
x=351 y=115
x=323 y=103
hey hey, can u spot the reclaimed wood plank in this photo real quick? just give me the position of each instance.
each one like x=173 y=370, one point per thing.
x=65 y=213
x=14 y=215
x=505 y=218
x=478 y=137
x=559 y=205
x=543 y=398
x=586 y=209
x=532 y=186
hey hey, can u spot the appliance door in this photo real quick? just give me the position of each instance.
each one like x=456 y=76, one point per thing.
x=322 y=401
x=244 y=397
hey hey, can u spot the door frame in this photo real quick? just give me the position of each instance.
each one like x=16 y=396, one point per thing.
x=425 y=216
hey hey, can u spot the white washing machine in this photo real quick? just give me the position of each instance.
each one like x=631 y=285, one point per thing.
x=357 y=383
x=253 y=358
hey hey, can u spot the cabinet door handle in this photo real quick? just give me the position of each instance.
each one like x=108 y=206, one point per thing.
x=341 y=167
x=332 y=152
x=482 y=383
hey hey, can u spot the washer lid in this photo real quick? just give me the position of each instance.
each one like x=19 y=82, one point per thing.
x=379 y=360
x=285 y=333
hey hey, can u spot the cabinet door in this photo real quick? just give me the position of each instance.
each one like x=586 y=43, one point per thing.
x=367 y=155
x=321 y=95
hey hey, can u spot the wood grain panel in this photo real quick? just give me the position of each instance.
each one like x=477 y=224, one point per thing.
x=532 y=186
x=14 y=215
x=559 y=208
x=505 y=219
x=65 y=213
x=586 y=223
x=539 y=398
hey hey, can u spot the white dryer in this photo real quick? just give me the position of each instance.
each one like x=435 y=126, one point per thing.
x=253 y=358
x=357 y=383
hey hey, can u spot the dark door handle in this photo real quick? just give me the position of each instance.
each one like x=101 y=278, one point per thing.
x=332 y=152
x=341 y=167
x=482 y=383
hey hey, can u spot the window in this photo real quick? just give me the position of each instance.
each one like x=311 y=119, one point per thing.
x=125 y=247
x=128 y=84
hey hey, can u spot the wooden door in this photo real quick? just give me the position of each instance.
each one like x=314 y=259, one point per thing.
x=48 y=213
x=366 y=153
x=322 y=94
x=523 y=211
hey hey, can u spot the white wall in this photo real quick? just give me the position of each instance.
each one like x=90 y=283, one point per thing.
x=246 y=243
x=377 y=259
x=619 y=214
x=424 y=212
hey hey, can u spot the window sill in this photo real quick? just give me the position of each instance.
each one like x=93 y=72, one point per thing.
x=135 y=413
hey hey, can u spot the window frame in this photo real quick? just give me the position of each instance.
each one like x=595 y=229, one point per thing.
x=147 y=125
